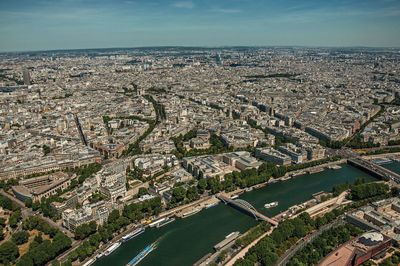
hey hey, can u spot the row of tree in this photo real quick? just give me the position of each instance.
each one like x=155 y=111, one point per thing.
x=384 y=150
x=115 y=223
x=313 y=252
x=268 y=249
x=360 y=190
x=253 y=234
x=253 y=176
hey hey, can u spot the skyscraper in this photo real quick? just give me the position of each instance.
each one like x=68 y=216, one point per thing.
x=27 y=77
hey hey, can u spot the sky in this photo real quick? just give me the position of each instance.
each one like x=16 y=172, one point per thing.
x=28 y=25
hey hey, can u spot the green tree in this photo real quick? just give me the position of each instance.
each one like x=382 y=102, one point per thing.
x=8 y=252
x=20 y=238
x=113 y=216
x=46 y=149
x=55 y=263
x=178 y=194
x=202 y=185
x=192 y=193
x=28 y=203
x=222 y=256
x=142 y=191
x=35 y=205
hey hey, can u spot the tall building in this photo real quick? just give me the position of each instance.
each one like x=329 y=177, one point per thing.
x=27 y=77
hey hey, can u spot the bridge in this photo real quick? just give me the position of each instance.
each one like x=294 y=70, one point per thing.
x=247 y=208
x=374 y=169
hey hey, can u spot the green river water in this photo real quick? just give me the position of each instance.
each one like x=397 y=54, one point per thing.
x=185 y=241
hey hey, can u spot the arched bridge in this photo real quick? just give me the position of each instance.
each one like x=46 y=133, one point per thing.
x=246 y=207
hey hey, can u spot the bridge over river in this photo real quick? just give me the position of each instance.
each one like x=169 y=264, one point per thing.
x=247 y=208
x=374 y=168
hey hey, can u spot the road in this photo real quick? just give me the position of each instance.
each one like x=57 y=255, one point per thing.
x=243 y=252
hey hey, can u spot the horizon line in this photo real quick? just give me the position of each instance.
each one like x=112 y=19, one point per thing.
x=204 y=46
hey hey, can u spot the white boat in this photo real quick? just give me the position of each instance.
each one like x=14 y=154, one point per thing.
x=211 y=205
x=271 y=205
x=89 y=262
x=112 y=248
x=190 y=213
x=249 y=189
x=234 y=196
x=133 y=234
x=335 y=167
x=101 y=254
x=155 y=223
x=169 y=220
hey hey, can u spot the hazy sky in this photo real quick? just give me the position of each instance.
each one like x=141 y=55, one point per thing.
x=60 y=24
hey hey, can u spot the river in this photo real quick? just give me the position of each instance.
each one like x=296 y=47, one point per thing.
x=185 y=241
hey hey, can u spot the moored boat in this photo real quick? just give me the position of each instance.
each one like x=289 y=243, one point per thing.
x=212 y=205
x=190 y=213
x=133 y=234
x=271 y=205
x=112 y=248
x=169 y=220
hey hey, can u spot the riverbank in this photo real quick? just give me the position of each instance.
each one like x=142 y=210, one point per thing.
x=185 y=241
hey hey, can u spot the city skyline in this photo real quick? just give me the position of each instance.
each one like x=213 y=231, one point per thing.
x=74 y=24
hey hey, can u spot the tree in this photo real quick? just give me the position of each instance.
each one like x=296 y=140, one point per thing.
x=5 y=202
x=178 y=194
x=222 y=256
x=25 y=260
x=113 y=216
x=67 y=263
x=8 y=252
x=202 y=185
x=35 y=205
x=192 y=193
x=142 y=191
x=13 y=221
x=395 y=191
x=55 y=263
x=46 y=149
x=20 y=238
x=28 y=203
x=38 y=239
x=84 y=230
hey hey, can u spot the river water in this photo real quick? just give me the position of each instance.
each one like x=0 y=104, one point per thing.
x=185 y=241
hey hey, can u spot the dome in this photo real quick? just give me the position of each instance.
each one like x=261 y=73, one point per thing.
x=371 y=238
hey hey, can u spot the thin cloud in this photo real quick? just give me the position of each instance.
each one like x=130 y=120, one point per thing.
x=184 y=4
x=226 y=10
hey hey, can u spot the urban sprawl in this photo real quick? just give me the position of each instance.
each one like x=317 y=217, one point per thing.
x=101 y=142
